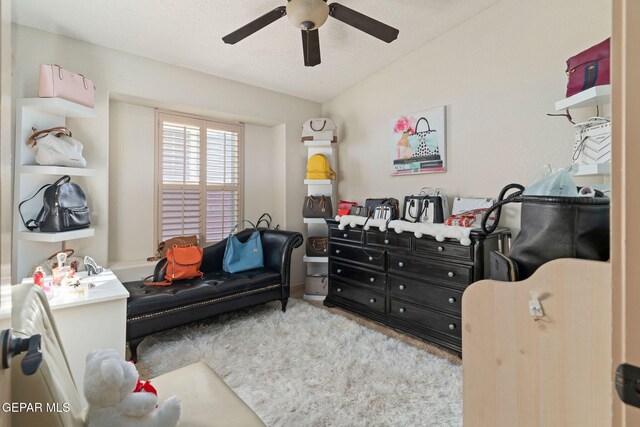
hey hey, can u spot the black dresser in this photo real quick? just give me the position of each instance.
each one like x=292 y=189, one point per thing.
x=414 y=285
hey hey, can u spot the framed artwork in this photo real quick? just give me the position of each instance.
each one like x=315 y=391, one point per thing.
x=418 y=143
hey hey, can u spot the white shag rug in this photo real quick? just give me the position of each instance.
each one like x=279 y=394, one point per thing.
x=310 y=367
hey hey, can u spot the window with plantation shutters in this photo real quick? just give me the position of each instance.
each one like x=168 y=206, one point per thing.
x=200 y=180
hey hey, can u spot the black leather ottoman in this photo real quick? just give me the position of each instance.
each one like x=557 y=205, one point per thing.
x=152 y=309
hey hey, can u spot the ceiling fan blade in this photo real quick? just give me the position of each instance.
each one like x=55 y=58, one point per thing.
x=255 y=25
x=311 y=48
x=362 y=22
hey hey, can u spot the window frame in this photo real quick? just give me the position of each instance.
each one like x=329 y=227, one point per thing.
x=203 y=123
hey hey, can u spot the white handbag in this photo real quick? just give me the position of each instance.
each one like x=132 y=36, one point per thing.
x=56 y=147
x=319 y=129
x=593 y=142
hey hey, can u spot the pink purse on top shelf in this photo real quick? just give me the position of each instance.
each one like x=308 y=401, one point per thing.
x=56 y=82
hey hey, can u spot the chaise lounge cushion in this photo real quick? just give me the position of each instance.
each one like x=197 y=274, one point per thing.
x=145 y=299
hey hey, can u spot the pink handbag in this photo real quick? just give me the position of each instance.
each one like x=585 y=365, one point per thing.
x=56 y=82
x=589 y=68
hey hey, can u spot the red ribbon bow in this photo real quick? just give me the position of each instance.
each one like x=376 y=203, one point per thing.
x=145 y=386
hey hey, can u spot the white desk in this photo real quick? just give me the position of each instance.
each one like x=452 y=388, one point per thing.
x=95 y=321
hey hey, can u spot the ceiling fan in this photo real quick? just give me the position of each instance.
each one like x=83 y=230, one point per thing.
x=309 y=15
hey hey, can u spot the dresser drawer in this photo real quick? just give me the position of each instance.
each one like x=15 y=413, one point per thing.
x=441 y=298
x=402 y=241
x=369 y=299
x=444 y=249
x=444 y=324
x=431 y=270
x=375 y=279
x=373 y=258
x=353 y=235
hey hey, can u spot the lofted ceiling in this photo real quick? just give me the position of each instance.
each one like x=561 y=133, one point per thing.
x=188 y=33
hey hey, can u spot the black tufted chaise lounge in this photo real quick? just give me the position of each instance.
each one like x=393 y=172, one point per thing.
x=152 y=309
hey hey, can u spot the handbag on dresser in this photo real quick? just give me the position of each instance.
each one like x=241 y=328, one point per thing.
x=387 y=208
x=317 y=207
x=317 y=246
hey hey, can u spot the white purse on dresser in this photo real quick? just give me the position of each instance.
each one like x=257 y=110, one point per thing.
x=56 y=147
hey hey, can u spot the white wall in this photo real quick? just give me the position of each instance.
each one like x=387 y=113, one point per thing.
x=499 y=73
x=131 y=182
x=169 y=86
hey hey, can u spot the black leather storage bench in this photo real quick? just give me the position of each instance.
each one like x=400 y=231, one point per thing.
x=152 y=309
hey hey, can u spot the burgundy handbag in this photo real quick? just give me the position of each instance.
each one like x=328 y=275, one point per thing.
x=589 y=68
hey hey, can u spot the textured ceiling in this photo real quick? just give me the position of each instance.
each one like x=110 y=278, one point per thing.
x=188 y=33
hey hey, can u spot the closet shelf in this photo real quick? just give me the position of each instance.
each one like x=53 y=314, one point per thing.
x=599 y=169
x=56 y=170
x=597 y=95
x=322 y=259
x=318 y=181
x=314 y=221
x=318 y=143
x=313 y=297
x=36 y=236
x=59 y=107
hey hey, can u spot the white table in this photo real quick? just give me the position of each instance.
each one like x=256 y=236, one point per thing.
x=95 y=321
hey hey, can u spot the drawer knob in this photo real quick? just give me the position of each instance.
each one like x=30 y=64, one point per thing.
x=373 y=279
x=440 y=248
x=402 y=287
x=451 y=274
x=339 y=290
x=337 y=251
x=452 y=300
x=452 y=326
x=370 y=258
x=372 y=300
x=339 y=271
x=345 y=235
x=402 y=310
x=386 y=241
x=401 y=264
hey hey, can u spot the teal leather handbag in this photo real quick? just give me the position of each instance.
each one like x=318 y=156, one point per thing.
x=239 y=256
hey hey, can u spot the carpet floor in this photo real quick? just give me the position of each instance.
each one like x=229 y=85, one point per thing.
x=310 y=367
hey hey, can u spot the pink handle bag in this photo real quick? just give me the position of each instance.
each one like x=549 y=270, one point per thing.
x=56 y=82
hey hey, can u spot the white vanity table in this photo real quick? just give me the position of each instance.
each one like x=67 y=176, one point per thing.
x=94 y=321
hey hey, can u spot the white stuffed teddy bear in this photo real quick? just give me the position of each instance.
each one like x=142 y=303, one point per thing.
x=109 y=384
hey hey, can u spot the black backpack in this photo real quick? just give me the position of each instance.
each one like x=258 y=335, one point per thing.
x=64 y=208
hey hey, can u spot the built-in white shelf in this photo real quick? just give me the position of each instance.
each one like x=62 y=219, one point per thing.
x=56 y=170
x=323 y=259
x=60 y=107
x=318 y=143
x=37 y=236
x=314 y=221
x=313 y=297
x=597 y=95
x=318 y=181
x=599 y=169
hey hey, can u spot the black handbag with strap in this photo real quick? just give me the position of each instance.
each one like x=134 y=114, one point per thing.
x=388 y=208
x=64 y=208
x=551 y=227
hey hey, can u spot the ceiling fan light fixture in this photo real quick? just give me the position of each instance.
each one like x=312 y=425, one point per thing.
x=307 y=14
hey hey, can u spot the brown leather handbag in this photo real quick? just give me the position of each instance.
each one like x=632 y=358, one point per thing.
x=317 y=246
x=163 y=247
x=183 y=262
x=317 y=207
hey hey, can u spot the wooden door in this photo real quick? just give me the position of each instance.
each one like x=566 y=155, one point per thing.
x=6 y=176
x=625 y=109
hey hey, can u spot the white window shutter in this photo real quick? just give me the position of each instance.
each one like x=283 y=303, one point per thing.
x=200 y=178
